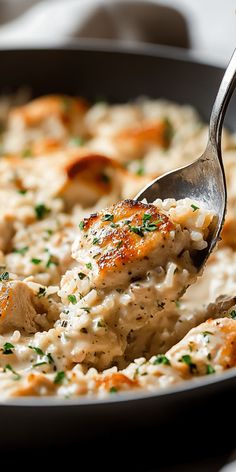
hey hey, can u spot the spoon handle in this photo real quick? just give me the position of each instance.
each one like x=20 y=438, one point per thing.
x=226 y=89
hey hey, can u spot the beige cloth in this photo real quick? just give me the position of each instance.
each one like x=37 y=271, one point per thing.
x=61 y=20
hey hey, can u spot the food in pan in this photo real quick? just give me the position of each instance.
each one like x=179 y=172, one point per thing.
x=100 y=293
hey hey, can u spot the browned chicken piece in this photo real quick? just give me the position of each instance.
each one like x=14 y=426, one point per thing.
x=44 y=122
x=208 y=347
x=122 y=243
x=133 y=142
x=21 y=307
x=66 y=109
x=88 y=177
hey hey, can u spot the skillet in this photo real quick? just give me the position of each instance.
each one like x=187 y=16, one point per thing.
x=119 y=74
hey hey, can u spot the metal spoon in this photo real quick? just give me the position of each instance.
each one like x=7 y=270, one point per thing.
x=204 y=179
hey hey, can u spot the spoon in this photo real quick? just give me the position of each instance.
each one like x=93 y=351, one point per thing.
x=204 y=179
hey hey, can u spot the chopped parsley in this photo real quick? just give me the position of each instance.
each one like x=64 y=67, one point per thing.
x=95 y=240
x=146 y=217
x=37 y=364
x=77 y=141
x=119 y=244
x=188 y=361
x=4 y=276
x=114 y=225
x=59 y=377
x=37 y=350
x=233 y=314
x=36 y=261
x=194 y=207
x=137 y=230
x=27 y=153
x=89 y=265
x=41 y=292
x=81 y=225
x=108 y=217
x=161 y=359
x=22 y=192
x=72 y=299
x=40 y=353
x=41 y=211
x=210 y=369
x=147 y=225
x=178 y=304
x=8 y=348
x=113 y=390
x=21 y=250
x=168 y=131
x=140 y=170
x=81 y=275
x=16 y=376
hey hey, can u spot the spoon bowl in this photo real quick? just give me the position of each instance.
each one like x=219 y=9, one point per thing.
x=204 y=179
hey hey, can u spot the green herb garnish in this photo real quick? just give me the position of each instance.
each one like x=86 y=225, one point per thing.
x=9 y=367
x=140 y=171
x=36 y=261
x=209 y=369
x=137 y=230
x=188 y=360
x=95 y=240
x=21 y=250
x=194 y=207
x=119 y=244
x=161 y=359
x=59 y=377
x=41 y=210
x=81 y=225
x=168 y=131
x=233 y=314
x=146 y=217
x=108 y=217
x=27 y=153
x=22 y=192
x=77 y=141
x=8 y=348
x=72 y=299
x=113 y=390
x=37 y=350
x=4 y=276
x=89 y=265
x=37 y=364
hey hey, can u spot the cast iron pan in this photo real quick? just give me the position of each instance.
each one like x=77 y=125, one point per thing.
x=160 y=422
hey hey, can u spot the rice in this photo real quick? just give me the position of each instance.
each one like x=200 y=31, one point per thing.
x=62 y=160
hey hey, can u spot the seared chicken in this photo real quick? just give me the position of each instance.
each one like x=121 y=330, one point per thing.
x=24 y=306
x=45 y=121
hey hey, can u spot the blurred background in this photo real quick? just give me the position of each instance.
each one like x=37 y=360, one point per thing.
x=207 y=27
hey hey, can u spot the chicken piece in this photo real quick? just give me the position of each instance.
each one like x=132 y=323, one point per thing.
x=209 y=347
x=24 y=306
x=206 y=349
x=134 y=261
x=51 y=116
x=88 y=177
x=133 y=142
x=131 y=238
